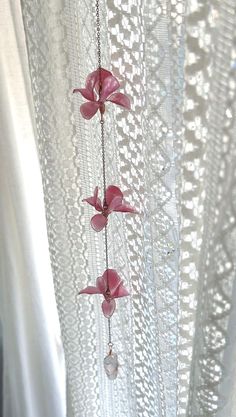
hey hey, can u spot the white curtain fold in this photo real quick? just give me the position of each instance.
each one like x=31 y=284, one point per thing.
x=33 y=382
x=207 y=265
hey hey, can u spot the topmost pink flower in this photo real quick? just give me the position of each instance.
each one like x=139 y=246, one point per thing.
x=100 y=87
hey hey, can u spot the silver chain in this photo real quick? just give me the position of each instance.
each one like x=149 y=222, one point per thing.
x=110 y=344
x=103 y=155
x=98 y=34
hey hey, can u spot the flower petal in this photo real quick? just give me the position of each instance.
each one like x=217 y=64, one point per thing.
x=98 y=222
x=88 y=110
x=95 y=77
x=125 y=208
x=109 y=85
x=116 y=202
x=94 y=200
x=90 y=290
x=108 y=307
x=121 y=99
x=101 y=284
x=86 y=93
x=121 y=291
x=112 y=279
x=111 y=192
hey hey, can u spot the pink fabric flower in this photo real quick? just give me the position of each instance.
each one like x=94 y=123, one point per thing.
x=114 y=201
x=110 y=286
x=100 y=87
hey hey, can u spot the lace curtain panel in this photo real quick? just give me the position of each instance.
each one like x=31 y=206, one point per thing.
x=175 y=335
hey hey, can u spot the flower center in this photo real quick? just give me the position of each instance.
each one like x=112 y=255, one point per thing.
x=108 y=296
x=101 y=106
x=104 y=210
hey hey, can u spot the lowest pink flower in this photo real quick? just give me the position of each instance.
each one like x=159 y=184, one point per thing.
x=110 y=286
x=100 y=87
x=114 y=201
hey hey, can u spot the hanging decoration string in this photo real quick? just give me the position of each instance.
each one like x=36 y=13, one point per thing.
x=101 y=88
x=102 y=121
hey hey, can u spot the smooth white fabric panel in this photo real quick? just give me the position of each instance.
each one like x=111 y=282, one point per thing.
x=33 y=363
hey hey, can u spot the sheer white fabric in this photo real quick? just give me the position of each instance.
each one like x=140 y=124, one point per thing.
x=171 y=334
x=33 y=367
x=208 y=208
x=141 y=157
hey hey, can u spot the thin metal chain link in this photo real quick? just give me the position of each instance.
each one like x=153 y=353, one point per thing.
x=103 y=155
x=110 y=344
x=98 y=34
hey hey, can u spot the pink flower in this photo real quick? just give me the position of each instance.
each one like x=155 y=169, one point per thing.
x=100 y=87
x=110 y=286
x=114 y=201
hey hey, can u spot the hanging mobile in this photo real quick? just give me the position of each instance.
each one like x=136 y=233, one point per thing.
x=101 y=87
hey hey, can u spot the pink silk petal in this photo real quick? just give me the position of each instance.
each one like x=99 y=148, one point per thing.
x=121 y=291
x=104 y=74
x=98 y=222
x=112 y=279
x=89 y=200
x=95 y=77
x=115 y=202
x=111 y=192
x=109 y=85
x=125 y=208
x=101 y=284
x=90 y=290
x=94 y=200
x=88 y=110
x=100 y=80
x=108 y=307
x=121 y=99
x=88 y=94
x=91 y=80
x=95 y=193
x=98 y=204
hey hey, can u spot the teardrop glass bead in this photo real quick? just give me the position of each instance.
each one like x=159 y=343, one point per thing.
x=111 y=365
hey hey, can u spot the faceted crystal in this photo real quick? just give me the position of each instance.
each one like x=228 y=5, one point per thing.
x=111 y=365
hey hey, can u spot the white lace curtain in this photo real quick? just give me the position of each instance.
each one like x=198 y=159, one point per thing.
x=175 y=154
x=32 y=372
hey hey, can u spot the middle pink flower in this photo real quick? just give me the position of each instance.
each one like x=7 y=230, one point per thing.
x=113 y=201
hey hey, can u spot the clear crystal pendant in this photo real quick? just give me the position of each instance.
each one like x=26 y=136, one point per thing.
x=111 y=365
